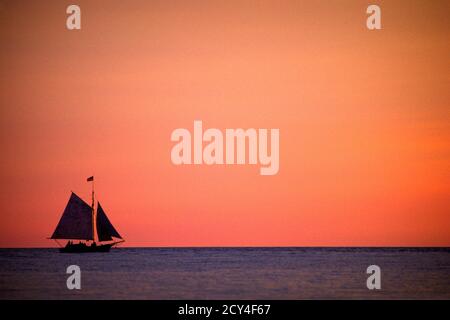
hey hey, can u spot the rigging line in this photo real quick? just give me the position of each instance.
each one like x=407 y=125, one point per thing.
x=56 y=240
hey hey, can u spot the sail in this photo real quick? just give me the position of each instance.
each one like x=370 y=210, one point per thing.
x=76 y=221
x=105 y=229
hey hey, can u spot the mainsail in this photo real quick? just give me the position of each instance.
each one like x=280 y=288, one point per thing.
x=76 y=221
x=105 y=229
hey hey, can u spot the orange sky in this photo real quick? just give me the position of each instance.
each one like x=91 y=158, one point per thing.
x=364 y=119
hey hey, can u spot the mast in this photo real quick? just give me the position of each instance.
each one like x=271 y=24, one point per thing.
x=93 y=212
x=91 y=179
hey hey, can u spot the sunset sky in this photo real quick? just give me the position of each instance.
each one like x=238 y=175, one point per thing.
x=364 y=119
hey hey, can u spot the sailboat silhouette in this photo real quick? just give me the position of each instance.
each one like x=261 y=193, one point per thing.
x=77 y=223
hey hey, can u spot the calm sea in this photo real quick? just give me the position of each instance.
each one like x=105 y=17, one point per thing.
x=227 y=273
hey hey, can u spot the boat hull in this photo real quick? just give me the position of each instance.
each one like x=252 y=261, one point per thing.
x=82 y=248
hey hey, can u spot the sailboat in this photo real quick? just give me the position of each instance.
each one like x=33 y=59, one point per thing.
x=77 y=223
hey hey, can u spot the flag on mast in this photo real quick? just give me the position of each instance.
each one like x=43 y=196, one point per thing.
x=91 y=178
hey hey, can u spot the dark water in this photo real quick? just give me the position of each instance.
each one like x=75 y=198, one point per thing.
x=227 y=273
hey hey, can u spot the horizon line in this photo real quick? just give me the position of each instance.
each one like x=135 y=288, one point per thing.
x=246 y=246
